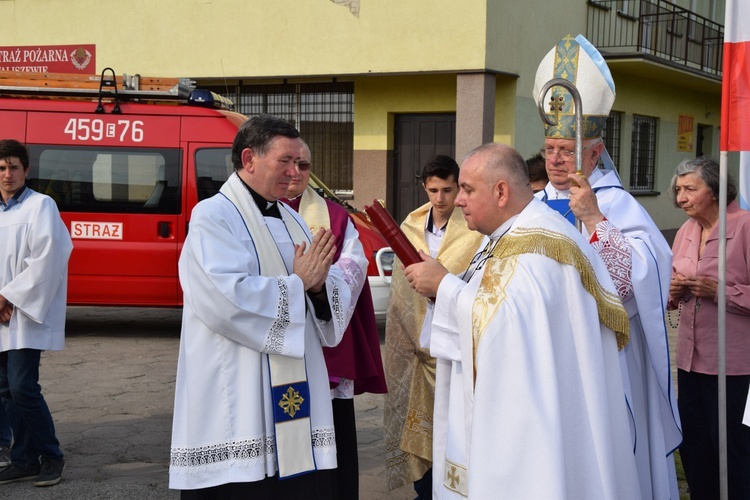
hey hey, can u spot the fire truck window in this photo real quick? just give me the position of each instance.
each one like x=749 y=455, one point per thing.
x=114 y=180
x=212 y=168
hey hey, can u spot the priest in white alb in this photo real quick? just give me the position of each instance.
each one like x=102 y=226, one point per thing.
x=253 y=415
x=533 y=406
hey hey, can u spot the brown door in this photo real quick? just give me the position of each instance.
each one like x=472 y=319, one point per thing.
x=417 y=138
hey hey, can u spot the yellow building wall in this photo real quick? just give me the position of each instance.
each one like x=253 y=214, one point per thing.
x=379 y=99
x=519 y=36
x=505 y=110
x=520 y=33
x=376 y=101
x=256 y=38
x=645 y=97
x=421 y=44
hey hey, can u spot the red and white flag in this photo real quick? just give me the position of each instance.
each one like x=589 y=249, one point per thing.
x=735 y=109
x=735 y=98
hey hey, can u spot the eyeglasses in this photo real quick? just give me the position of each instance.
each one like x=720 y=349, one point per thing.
x=565 y=154
x=304 y=165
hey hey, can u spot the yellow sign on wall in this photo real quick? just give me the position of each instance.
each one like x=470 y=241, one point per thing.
x=685 y=129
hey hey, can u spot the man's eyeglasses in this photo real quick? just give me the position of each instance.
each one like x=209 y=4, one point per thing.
x=304 y=165
x=565 y=154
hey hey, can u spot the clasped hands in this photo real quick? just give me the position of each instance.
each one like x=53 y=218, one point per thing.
x=425 y=277
x=700 y=286
x=312 y=266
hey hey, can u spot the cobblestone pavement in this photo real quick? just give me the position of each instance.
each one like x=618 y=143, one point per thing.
x=111 y=393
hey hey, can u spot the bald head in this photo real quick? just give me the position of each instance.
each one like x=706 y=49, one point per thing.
x=494 y=182
x=500 y=161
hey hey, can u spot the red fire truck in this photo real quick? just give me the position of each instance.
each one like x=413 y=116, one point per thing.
x=126 y=159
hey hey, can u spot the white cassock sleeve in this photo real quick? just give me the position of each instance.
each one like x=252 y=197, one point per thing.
x=442 y=337
x=42 y=254
x=352 y=248
x=353 y=264
x=220 y=274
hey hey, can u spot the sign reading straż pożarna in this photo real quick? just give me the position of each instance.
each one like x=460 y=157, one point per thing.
x=49 y=58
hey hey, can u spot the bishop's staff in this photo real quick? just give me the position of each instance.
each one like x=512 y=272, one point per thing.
x=556 y=106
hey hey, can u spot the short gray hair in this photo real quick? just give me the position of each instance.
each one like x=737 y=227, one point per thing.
x=502 y=161
x=707 y=169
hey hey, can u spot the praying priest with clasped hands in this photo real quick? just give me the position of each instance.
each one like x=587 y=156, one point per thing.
x=253 y=416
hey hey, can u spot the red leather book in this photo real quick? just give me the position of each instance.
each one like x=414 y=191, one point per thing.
x=392 y=233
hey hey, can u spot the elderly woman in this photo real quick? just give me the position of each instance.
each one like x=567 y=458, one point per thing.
x=695 y=189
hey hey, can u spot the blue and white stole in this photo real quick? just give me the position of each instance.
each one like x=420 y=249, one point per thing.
x=560 y=205
x=290 y=392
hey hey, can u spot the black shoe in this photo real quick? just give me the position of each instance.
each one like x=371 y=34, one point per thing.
x=5 y=457
x=51 y=472
x=13 y=473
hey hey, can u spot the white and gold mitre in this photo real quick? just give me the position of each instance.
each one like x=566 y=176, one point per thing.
x=577 y=61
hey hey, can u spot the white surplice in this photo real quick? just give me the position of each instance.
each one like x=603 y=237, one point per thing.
x=547 y=416
x=223 y=428
x=35 y=246
x=655 y=422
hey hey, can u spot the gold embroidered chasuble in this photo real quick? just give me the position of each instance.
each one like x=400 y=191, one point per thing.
x=410 y=370
x=558 y=247
x=532 y=341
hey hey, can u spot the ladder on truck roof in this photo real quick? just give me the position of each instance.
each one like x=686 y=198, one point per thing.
x=119 y=88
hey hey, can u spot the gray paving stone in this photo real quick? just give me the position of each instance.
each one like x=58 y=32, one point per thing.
x=111 y=393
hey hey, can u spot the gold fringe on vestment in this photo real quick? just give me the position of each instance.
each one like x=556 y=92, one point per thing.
x=564 y=250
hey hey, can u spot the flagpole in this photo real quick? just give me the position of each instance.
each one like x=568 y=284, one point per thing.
x=722 y=327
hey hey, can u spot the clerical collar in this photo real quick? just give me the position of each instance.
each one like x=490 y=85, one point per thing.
x=267 y=208
x=562 y=194
x=431 y=223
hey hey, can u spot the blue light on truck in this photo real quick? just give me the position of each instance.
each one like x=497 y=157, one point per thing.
x=207 y=99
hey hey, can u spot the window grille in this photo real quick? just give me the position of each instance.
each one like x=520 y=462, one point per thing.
x=322 y=112
x=611 y=137
x=643 y=153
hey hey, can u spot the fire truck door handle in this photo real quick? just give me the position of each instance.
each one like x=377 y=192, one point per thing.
x=165 y=229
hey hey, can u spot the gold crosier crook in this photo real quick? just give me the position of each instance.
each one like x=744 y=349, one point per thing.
x=561 y=82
